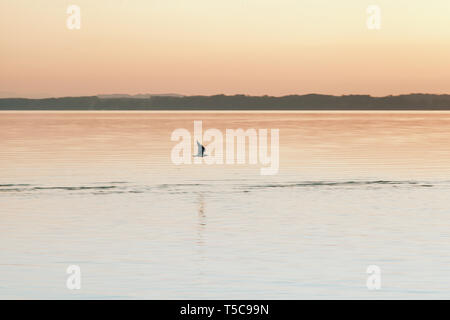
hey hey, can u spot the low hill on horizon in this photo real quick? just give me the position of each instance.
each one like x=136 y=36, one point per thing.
x=232 y=102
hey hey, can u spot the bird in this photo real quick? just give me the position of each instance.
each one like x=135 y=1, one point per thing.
x=201 y=150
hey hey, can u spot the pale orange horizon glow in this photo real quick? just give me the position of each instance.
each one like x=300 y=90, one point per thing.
x=235 y=46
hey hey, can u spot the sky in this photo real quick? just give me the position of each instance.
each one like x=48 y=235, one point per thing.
x=255 y=47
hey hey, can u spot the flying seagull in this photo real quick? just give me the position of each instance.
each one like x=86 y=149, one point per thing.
x=201 y=151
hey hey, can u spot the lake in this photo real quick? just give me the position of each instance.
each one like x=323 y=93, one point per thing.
x=99 y=190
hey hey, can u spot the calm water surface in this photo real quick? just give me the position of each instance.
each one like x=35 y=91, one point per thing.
x=98 y=190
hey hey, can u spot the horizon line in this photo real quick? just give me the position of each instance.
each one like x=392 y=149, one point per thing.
x=176 y=95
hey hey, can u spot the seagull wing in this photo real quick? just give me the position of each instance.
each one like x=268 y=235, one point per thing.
x=201 y=149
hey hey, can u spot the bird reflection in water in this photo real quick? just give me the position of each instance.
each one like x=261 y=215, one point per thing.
x=201 y=225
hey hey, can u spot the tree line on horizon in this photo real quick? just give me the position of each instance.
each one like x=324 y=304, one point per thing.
x=234 y=102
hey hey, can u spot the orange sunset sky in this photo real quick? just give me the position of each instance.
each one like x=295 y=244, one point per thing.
x=256 y=47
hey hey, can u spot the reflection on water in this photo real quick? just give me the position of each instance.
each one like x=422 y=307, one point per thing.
x=98 y=189
x=201 y=219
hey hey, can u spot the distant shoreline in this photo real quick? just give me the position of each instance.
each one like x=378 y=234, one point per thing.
x=162 y=109
x=309 y=102
x=447 y=111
